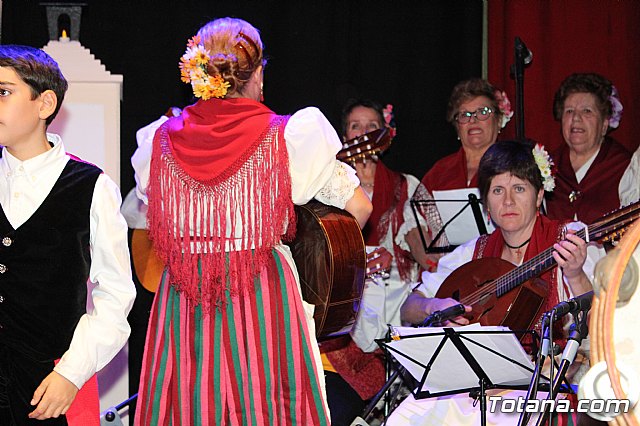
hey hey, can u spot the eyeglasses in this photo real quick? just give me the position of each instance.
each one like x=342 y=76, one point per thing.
x=481 y=114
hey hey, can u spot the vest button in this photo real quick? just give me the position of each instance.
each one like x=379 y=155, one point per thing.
x=3 y=268
x=6 y=241
x=1 y=298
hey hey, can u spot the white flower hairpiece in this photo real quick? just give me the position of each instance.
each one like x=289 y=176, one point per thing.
x=504 y=105
x=545 y=164
x=616 y=108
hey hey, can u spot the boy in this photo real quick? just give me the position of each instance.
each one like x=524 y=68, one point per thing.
x=65 y=277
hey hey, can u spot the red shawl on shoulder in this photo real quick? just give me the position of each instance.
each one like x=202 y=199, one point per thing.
x=597 y=193
x=546 y=233
x=389 y=197
x=219 y=171
x=449 y=173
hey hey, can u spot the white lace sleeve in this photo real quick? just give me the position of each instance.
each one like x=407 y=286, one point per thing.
x=340 y=187
x=312 y=144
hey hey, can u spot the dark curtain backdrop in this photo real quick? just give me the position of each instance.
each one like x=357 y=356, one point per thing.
x=408 y=53
x=567 y=36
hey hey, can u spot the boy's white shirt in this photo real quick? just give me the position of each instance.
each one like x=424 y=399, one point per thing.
x=103 y=330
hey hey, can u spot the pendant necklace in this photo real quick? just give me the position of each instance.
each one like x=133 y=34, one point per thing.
x=517 y=248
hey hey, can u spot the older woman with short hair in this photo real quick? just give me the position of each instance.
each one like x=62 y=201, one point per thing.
x=590 y=164
x=478 y=111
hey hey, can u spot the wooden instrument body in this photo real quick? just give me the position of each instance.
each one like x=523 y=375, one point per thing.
x=501 y=294
x=516 y=309
x=147 y=266
x=330 y=256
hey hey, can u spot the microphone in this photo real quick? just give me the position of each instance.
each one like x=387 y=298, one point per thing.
x=572 y=306
x=522 y=50
x=443 y=315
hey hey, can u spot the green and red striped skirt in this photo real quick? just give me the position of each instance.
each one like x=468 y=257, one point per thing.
x=247 y=363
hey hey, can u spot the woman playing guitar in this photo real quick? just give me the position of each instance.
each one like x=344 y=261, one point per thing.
x=512 y=181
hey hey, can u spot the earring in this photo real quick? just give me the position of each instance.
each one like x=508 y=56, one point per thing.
x=458 y=137
x=488 y=218
x=261 y=92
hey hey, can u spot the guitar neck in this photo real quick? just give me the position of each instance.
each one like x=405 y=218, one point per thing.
x=533 y=267
x=608 y=228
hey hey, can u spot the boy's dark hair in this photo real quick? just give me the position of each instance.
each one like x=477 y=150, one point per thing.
x=515 y=157
x=37 y=69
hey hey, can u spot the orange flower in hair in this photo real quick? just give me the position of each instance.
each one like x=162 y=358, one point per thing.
x=193 y=69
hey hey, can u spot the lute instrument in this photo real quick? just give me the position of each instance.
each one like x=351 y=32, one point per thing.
x=501 y=294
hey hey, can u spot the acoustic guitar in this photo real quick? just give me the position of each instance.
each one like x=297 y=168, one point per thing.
x=146 y=264
x=363 y=147
x=503 y=295
x=330 y=256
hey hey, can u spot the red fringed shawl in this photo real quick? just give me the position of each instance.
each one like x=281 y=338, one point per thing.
x=219 y=196
x=389 y=197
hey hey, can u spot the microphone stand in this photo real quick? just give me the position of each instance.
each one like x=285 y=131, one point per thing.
x=520 y=54
x=578 y=331
x=546 y=349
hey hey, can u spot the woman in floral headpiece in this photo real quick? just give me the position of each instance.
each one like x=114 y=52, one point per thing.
x=230 y=340
x=354 y=365
x=512 y=178
x=478 y=111
x=590 y=163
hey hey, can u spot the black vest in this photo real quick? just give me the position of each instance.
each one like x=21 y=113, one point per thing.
x=44 y=267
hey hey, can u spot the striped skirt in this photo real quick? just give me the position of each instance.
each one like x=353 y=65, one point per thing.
x=249 y=363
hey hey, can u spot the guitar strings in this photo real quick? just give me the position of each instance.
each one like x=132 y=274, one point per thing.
x=538 y=263
x=515 y=277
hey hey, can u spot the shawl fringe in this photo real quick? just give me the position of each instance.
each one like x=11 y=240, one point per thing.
x=215 y=236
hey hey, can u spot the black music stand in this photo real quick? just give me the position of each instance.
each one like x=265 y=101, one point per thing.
x=472 y=202
x=477 y=356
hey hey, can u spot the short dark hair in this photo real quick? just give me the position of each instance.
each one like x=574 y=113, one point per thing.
x=37 y=69
x=351 y=104
x=515 y=157
x=592 y=83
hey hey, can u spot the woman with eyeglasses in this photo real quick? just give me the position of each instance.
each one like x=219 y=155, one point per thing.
x=477 y=110
x=590 y=164
x=512 y=178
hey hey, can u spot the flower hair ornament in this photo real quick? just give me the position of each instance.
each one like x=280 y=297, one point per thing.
x=616 y=108
x=545 y=164
x=389 y=119
x=504 y=105
x=193 y=69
